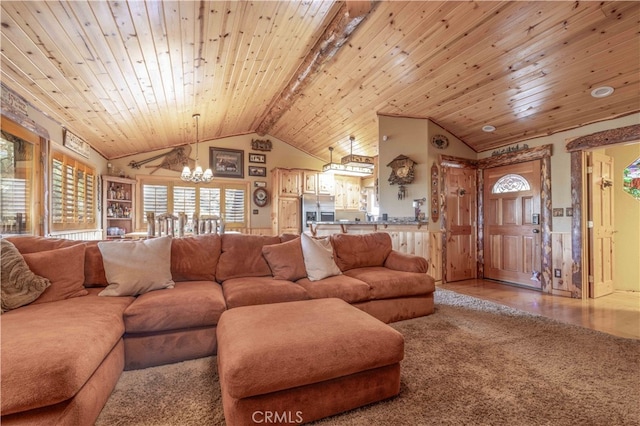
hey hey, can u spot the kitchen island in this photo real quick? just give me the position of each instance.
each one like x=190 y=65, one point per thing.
x=321 y=229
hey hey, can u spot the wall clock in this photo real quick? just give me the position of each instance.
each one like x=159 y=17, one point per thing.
x=260 y=197
x=440 y=141
x=402 y=170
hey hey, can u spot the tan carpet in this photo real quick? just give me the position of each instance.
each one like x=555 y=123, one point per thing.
x=471 y=363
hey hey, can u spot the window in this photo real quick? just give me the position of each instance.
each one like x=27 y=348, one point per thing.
x=227 y=200
x=510 y=183
x=73 y=194
x=16 y=193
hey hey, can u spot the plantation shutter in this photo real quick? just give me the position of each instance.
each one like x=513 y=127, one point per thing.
x=155 y=198
x=234 y=205
x=72 y=194
x=184 y=200
x=210 y=201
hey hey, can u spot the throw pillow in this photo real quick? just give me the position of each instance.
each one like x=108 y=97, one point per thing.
x=136 y=267
x=318 y=258
x=64 y=267
x=20 y=286
x=285 y=260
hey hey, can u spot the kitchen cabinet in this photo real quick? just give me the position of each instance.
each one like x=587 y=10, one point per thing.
x=118 y=206
x=309 y=182
x=285 y=206
x=347 y=192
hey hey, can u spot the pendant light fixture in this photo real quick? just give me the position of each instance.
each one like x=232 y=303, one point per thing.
x=345 y=169
x=197 y=176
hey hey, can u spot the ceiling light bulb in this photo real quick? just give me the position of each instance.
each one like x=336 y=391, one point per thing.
x=602 y=92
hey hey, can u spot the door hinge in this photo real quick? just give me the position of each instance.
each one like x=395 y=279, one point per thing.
x=590 y=279
x=590 y=224
x=589 y=170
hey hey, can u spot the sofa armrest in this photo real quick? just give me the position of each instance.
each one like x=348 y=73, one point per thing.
x=406 y=262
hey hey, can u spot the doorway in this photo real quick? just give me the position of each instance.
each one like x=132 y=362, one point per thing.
x=579 y=223
x=512 y=224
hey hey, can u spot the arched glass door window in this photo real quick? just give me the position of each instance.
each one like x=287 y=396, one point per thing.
x=510 y=183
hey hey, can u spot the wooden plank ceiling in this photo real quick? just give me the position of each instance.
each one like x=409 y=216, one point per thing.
x=128 y=75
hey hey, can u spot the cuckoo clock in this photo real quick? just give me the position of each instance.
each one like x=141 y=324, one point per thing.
x=402 y=170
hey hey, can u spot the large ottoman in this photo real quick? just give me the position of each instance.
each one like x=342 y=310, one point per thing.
x=295 y=362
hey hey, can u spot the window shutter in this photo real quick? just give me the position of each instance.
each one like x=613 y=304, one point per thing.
x=154 y=199
x=234 y=205
x=56 y=191
x=210 y=201
x=184 y=200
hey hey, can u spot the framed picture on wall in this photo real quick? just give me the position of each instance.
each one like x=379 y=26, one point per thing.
x=226 y=162
x=257 y=171
x=257 y=158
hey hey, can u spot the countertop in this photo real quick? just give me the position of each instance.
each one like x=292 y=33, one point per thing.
x=377 y=222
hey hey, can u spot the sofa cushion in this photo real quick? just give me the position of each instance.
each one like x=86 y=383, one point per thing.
x=242 y=256
x=136 y=267
x=386 y=283
x=20 y=286
x=195 y=258
x=358 y=251
x=94 y=275
x=64 y=267
x=340 y=286
x=285 y=260
x=32 y=244
x=188 y=304
x=318 y=258
x=47 y=357
x=260 y=290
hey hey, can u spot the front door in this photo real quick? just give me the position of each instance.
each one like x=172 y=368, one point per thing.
x=460 y=199
x=601 y=227
x=512 y=249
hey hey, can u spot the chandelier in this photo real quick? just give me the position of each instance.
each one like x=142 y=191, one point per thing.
x=197 y=176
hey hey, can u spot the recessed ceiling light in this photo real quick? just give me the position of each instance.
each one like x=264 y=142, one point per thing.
x=488 y=128
x=602 y=92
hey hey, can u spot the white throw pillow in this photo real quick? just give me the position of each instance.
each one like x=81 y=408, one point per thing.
x=318 y=258
x=136 y=267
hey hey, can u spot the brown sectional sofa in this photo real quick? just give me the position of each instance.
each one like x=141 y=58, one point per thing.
x=61 y=360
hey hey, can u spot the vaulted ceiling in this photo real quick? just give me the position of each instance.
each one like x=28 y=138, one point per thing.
x=128 y=75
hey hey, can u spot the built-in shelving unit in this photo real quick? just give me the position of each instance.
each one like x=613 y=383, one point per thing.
x=118 y=213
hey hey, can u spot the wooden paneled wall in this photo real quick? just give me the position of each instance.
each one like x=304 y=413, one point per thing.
x=561 y=259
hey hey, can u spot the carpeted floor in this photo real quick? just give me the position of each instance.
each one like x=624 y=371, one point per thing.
x=471 y=363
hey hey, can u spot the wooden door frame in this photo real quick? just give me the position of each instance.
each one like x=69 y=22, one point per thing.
x=577 y=147
x=542 y=153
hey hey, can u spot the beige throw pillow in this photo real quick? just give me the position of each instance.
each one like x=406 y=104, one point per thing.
x=136 y=267
x=20 y=286
x=318 y=258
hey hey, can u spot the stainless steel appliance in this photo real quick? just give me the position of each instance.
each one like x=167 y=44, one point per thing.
x=317 y=208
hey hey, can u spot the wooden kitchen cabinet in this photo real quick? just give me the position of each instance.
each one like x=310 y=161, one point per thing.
x=309 y=182
x=287 y=182
x=347 y=192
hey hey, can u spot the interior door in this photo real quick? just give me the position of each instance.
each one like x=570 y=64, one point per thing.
x=512 y=248
x=601 y=224
x=460 y=199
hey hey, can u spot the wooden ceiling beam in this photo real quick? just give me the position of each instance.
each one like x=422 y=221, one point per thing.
x=349 y=16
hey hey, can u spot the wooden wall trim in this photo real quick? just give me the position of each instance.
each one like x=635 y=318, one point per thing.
x=509 y=158
x=576 y=225
x=606 y=137
x=545 y=222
